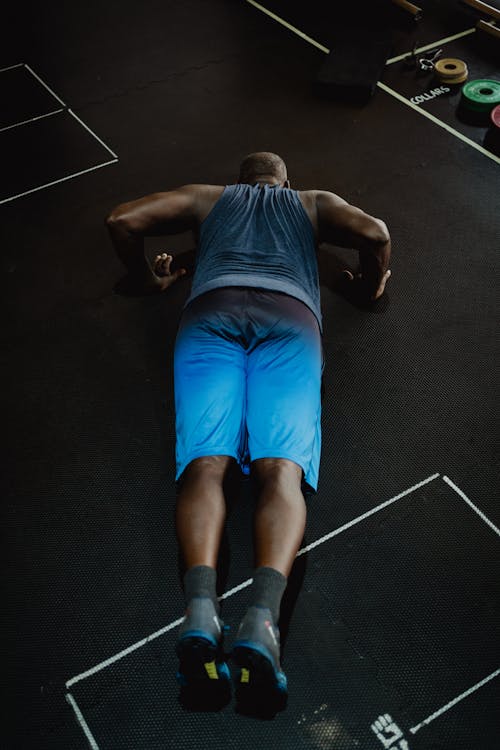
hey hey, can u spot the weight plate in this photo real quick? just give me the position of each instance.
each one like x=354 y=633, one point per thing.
x=450 y=66
x=454 y=80
x=495 y=116
x=481 y=95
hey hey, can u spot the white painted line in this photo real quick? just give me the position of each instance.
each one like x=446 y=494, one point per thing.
x=366 y=515
x=289 y=26
x=231 y=592
x=390 y=91
x=55 y=182
x=50 y=113
x=469 y=502
x=11 y=67
x=64 y=105
x=454 y=702
x=436 y=121
x=92 y=133
x=145 y=641
x=32 y=119
x=241 y=586
x=431 y=46
x=326 y=50
x=123 y=653
x=88 y=734
x=44 y=84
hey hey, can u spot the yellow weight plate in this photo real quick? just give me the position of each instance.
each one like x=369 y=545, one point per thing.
x=450 y=67
x=452 y=80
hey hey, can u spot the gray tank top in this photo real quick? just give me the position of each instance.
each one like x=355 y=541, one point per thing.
x=258 y=236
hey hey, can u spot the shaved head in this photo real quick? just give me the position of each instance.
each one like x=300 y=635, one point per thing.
x=262 y=164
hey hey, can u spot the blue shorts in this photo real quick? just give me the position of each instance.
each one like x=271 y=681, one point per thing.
x=247 y=374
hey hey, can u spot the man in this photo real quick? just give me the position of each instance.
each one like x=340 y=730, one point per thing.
x=247 y=373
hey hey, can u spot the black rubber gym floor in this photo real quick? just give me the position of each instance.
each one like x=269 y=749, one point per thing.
x=390 y=624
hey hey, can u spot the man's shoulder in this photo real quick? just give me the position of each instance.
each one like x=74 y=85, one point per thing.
x=308 y=200
x=307 y=196
x=203 y=197
x=317 y=203
x=202 y=190
x=318 y=195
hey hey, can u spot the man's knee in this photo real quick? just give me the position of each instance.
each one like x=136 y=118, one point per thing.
x=277 y=470
x=208 y=467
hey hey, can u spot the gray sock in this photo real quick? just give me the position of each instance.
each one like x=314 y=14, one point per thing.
x=201 y=581
x=267 y=590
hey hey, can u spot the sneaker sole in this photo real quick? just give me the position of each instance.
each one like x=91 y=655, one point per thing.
x=199 y=662
x=259 y=684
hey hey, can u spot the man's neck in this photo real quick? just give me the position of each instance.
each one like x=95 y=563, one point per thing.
x=265 y=180
x=261 y=183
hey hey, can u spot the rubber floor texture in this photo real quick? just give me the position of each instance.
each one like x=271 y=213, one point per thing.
x=392 y=618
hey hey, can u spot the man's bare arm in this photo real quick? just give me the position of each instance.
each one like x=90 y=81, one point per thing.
x=344 y=225
x=157 y=214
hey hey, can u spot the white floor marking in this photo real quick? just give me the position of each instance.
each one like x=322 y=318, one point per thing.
x=388 y=732
x=55 y=182
x=289 y=26
x=44 y=84
x=231 y=592
x=92 y=133
x=436 y=121
x=88 y=734
x=241 y=586
x=366 y=515
x=123 y=653
x=11 y=67
x=384 y=727
x=390 y=91
x=32 y=119
x=454 y=702
x=432 y=46
x=469 y=502
x=48 y=114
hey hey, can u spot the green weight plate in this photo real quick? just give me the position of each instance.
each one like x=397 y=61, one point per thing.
x=481 y=95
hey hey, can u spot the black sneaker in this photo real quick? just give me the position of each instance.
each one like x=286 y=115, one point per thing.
x=256 y=651
x=202 y=673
